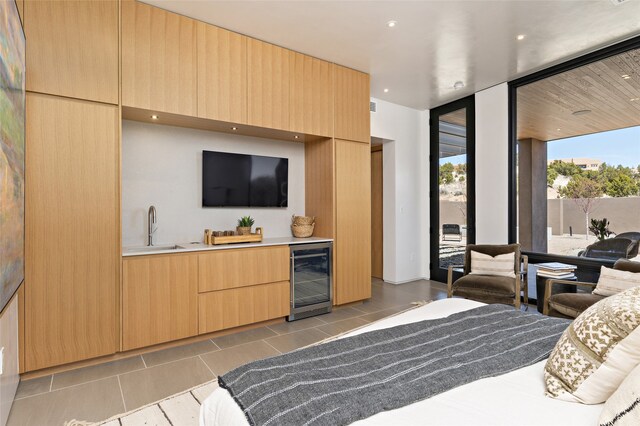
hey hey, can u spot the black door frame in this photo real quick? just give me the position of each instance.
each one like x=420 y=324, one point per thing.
x=437 y=273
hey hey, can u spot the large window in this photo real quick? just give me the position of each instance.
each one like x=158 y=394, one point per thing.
x=577 y=160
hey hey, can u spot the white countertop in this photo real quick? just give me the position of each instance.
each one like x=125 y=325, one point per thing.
x=191 y=247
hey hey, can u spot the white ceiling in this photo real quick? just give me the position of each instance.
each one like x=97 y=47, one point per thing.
x=434 y=44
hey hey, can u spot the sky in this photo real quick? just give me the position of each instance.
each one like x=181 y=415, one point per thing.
x=615 y=147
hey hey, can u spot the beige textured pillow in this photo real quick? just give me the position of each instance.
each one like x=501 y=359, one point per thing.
x=623 y=408
x=612 y=281
x=597 y=351
x=501 y=265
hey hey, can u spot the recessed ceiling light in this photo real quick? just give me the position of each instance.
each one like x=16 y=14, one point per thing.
x=386 y=90
x=154 y=117
x=458 y=85
x=234 y=128
x=581 y=112
x=626 y=76
x=634 y=99
x=296 y=136
x=558 y=129
x=520 y=36
x=392 y=24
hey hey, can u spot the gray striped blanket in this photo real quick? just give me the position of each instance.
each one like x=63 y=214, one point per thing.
x=349 y=379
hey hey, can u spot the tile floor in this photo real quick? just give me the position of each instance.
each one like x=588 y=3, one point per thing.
x=101 y=391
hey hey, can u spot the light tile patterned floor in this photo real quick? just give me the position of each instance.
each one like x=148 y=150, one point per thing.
x=101 y=391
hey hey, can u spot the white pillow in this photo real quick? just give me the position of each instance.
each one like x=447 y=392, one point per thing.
x=623 y=407
x=612 y=281
x=501 y=265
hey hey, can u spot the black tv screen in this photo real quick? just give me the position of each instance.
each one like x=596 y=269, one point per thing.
x=239 y=180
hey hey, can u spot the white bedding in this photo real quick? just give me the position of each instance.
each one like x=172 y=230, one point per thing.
x=515 y=398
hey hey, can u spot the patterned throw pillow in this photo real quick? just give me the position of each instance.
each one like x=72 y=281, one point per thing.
x=597 y=351
x=501 y=265
x=613 y=281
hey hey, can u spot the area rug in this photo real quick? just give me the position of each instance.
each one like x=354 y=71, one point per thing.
x=183 y=409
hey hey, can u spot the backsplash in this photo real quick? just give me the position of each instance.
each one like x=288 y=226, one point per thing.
x=162 y=166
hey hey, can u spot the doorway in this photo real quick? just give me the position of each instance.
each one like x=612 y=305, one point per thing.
x=452 y=184
x=376 y=209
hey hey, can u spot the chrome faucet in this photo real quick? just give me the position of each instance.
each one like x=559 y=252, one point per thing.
x=152 y=221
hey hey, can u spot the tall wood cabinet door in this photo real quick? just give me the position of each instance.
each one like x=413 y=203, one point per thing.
x=72 y=48
x=311 y=95
x=159 y=299
x=352 y=116
x=268 y=87
x=72 y=217
x=353 y=218
x=222 y=74
x=158 y=59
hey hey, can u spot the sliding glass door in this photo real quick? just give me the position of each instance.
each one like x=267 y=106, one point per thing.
x=452 y=182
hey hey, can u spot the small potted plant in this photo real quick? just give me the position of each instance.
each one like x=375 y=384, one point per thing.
x=244 y=225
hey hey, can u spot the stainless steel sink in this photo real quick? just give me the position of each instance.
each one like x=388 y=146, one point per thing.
x=151 y=249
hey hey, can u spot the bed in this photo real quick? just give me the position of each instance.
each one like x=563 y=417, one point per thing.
x=515 y=398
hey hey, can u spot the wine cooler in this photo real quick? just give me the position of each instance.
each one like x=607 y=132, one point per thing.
x=311 y=280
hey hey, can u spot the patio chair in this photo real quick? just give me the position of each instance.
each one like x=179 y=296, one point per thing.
x=635 y=239
x=612 y=248
x=451 y=232
x=570 y=305
x=491 y=288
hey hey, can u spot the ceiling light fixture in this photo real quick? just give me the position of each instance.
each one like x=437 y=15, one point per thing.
x=386 y=90
x=520 y=36
x=634 y=99
x=458 y=85
x=234 y=128
x=581 y=112
x=392 y=24
x=296 y=137
x=558 y=129
x=626 y=76
x=154 y=117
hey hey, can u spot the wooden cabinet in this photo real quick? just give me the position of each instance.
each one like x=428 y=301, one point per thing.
x=72 y=48
x=72 y=216
x=158 y=60
x=240 y=306
x=268 y=88
x=231 y=268
x=159 y=299
x=352 y=116
x=311 y=95
x=353 y=222
x=222 y=74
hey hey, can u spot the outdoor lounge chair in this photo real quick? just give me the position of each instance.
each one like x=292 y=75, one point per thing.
x=451 y=232
x=611 y=248
x=635 y=238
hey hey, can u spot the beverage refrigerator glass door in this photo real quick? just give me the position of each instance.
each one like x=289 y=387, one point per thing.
x=311 y=280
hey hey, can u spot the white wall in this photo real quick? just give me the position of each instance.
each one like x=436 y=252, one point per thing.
x=162 y=166
x=405 y=190
x=492 y=165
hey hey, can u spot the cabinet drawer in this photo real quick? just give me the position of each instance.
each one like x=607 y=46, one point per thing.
x=225 y=269
x=240 y=306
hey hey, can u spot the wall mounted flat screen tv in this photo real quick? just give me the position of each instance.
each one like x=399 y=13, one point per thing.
x=239 y=180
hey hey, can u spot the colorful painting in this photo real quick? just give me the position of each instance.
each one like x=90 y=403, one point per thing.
x=12 y=143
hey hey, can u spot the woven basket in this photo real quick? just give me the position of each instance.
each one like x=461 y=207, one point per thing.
x=302 y=220
x=302 y=231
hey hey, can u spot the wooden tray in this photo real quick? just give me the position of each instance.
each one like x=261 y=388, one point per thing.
x=232 y=239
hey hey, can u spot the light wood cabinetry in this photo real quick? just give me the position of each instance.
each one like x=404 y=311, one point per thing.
x=159 y=299
x=231 y=268
x=319 y=180
x=72 y=48
x=353 y=221
x=268 y=87
x=72 y=217
x=222 y=74
x=352 y=117
x=239 y=306
x=158 y=59
x=311 y=95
